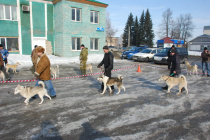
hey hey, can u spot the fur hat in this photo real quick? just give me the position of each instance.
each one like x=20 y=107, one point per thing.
x=40 y=49
x=1 y=45
x=205 y=48
x=105 y=47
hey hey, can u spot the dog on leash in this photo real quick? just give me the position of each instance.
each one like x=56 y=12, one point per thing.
x=173 y=81
x=28 y=92
x=190 y=68
x=12 y=66
x=54 y=71
x=2 y=76
x=108 y=82
x=89 y=67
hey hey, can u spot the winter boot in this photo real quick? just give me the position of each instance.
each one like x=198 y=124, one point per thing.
x=165 y=88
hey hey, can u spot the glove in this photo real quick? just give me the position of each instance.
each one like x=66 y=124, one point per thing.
x=36 y=75
x=98 y=66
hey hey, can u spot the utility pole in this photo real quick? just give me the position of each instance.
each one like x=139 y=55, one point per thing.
x=129 y=36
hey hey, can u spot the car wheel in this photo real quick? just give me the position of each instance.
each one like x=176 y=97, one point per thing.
x=147 y=59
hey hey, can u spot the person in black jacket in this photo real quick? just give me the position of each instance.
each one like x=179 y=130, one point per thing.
x=175 y=70
x=108 y=65
x=169 y=56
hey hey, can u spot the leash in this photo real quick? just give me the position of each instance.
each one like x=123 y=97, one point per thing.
x=101 y=69
x=169 y=76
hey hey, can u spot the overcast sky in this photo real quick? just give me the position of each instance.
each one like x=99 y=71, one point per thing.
x=119 y=11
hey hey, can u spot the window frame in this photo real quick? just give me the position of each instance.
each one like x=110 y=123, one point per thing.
x=94 y=40
x=6 y=44
x=76 y=14
x=75 y=40
x=92 y=11
x=10 y=14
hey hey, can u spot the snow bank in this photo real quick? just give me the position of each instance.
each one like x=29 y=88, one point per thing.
x=194 y=53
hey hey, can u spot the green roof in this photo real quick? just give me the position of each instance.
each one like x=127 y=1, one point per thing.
x=97 y=1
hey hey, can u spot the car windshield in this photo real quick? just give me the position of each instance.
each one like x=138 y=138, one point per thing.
x=165 y=50
x=146 y=51
x=133 y=49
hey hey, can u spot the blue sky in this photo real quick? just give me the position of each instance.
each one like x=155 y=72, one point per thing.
x=120 y=9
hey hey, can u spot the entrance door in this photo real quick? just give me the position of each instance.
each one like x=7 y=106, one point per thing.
x=40 y=41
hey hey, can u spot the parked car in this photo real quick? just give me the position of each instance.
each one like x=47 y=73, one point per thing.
x=130 y=55
x=162 y=57
x=146 y=54
x=113 y=48
x=130 y=52
x=126 y=49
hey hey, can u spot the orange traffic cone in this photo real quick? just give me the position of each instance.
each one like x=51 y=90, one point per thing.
x=139 y=69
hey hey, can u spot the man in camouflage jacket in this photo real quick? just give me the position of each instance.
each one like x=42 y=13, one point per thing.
x=83 y=59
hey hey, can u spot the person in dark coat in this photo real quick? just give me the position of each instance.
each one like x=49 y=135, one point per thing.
x=169 y=56
x=4 y=54
x=205 y=62
x=2 y=68
x=107 y=61
x=175 y=70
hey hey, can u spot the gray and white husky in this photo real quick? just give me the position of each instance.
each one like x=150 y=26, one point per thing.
x=54 y=71
x=28 y=92
x=111 y=81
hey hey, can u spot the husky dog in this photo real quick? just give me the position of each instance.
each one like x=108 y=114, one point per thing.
x=190 y=68
x=2 y=76
x=54 y=71
x=28 y=92
x=173 y=81
x=89 y=67
x=111 y=81
x=13 y=67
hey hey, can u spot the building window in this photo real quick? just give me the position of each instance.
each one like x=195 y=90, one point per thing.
x=8 y=12
x=11 y=44
x=94 y=44
x=76 y=43
x=94 y=16
x=76 y=14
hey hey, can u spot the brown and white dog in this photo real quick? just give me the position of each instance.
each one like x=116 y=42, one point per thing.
x=108 y=82
x=173 y=81
x=2 y=76
x=12 y=66
x=190 y=68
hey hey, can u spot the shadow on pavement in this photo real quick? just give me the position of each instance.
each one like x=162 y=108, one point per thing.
x=90 y=133
x=48 y=132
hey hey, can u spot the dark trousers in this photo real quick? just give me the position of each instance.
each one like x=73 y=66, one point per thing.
x=169 y=63
x=4 y=71
x=108 y=74
x=5 y=62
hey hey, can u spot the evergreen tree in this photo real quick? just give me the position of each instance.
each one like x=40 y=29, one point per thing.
x=136 y=33
x=130 y=24
x=149 y=33
x=142 y=29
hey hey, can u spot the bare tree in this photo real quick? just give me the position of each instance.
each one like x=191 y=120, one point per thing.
x=110 y=31
x=165 y=26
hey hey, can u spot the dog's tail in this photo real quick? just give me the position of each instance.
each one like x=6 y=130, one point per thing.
x=41 y=83
x=57 y=66
x=183 y=77
x=120 y=77
x=196 y=65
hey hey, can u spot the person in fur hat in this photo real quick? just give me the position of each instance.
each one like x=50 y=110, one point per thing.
x=43 y=71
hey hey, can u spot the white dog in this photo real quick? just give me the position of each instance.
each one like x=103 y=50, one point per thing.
x=55 y=71
x=190 y=68
x=173 y=81
x=111 y=81
x=28 y=92
x=12 y=66
x=89 y=67
x=2 y=76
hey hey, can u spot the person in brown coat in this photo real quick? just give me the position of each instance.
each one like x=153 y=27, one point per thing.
x=2 y=68
x=43 y=71
x=34 y=58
